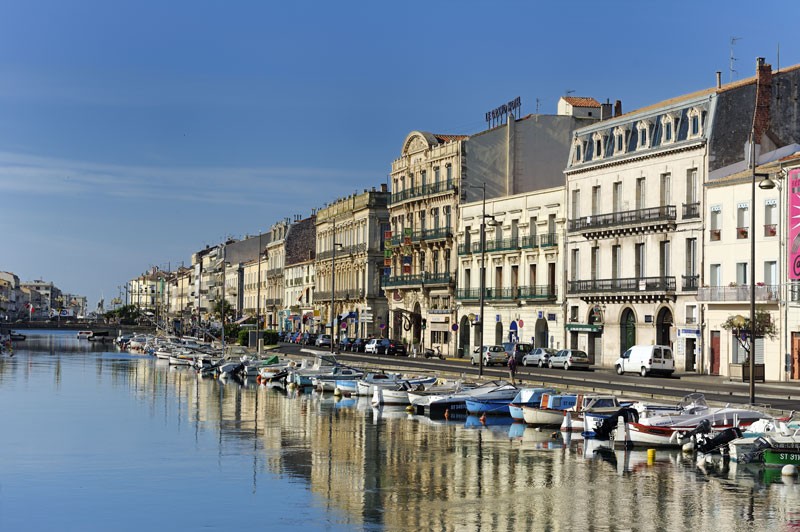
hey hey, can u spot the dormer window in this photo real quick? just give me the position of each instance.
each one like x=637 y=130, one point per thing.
x=644 y=135
x=599 y=146
x=669 y=126
x=620 y=140
x=695 y=122
x=580 y=150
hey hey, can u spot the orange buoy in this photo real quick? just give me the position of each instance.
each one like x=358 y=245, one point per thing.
x=483 y=419
x=447 y=414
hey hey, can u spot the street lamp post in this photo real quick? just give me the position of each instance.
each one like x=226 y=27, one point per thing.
x=334 y=321
x=483 y=276
x=258 y=286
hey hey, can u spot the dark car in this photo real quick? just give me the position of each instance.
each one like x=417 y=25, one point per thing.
x=391 y=347
x=358 y=345
x=309 y=339
x=345 y=343
x=517 y=350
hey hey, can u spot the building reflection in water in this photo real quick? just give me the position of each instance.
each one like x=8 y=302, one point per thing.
x=387 y=469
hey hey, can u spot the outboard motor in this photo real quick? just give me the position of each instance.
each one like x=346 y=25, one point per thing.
x=604 y=430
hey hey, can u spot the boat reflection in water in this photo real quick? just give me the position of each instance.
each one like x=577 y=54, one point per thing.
x=312 y=461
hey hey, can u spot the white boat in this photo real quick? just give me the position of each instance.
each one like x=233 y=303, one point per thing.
x=326 y=382
x=552 y=409
x=366 y=384
x=592 y=412
x=84 y=335
x=672 y=429
x=397 y=394
x=303 y=376
x=456 y=403
x=421 y=398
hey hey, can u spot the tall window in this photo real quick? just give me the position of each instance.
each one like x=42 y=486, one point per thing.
x=668 y=131
x=551 y=225
x=422 y=220
x=575 y=264
x=666 y=189
x=467 y=239
x=576 y=207
x=640 y=191
x=715 y=275
x=691 y=257
x=770 y=218
x=616 y=255
x=595 y=261
x=664 y=259
x=617 y=197
x=532 y=274
x=446 y=210
x=449 y=172
x=423 y=177
x=691 y=185
x=596 y=201
x=770 y=273
x=639 y=264
x=532 y=231
x=435 y=258
x=498 y=232
x=435 y=174
x=742 y=220
x=467 y=279
x=741 y=273
x=514 y=230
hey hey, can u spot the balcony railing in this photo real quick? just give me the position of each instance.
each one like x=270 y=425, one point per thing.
x=540 y=292
x=690 y=282
x=738 y=293
x=502 y=245
x=510 y=244
x=416 y=279
x=274 y=272
x=420 y=191
x=632 y=284
x=691 y=210
x=342 y=251
x=638 y=216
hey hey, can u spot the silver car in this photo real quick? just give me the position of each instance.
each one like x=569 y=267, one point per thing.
x=570 y=358
x=492 y=354
x=538 y=357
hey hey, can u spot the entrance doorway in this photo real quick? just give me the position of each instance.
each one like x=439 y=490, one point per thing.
x=627 y=330
x=498 y=333
x=690 y=346
x=664 y=327
x=795 y=369
x=541 y=334
x=714 y=353
x=463 y=337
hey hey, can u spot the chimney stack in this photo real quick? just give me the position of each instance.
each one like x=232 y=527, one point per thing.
x=605 y=110
x=763 y=99
x=719 y=79
x=383 y=187
x=617 y=108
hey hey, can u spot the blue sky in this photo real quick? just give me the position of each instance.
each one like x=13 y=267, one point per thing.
x=134 y=133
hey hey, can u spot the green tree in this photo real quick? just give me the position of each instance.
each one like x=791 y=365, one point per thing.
x=741 y=328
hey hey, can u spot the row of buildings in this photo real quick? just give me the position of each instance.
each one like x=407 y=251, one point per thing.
x=591 y=228
x=36 y=300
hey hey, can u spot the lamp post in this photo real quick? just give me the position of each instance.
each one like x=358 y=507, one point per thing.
x=334 y=321
x=765 y=184
x=258 y=286
x=483 y=275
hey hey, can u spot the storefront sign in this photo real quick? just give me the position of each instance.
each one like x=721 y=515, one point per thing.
x=793 y=245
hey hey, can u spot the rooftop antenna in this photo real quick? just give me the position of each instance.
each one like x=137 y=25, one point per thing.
x=537 y=106
x=568 y=92
x=733 y=59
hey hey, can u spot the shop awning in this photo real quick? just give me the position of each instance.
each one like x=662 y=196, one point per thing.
x=584 y=327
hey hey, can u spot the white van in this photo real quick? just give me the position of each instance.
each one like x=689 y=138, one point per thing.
x=646 y=359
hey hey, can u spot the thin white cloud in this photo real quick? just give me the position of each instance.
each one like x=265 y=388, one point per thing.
x=28 y=174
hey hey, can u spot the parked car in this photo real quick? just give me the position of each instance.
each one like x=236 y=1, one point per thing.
x=646 y=359
x=391 y=347
x=345 y=342
x=372 y=346
x=358 y=345
x=538 y=357
x=492 y=354
x=570 y=358
x=310 y=339
x=323 y=340
x=517 y=349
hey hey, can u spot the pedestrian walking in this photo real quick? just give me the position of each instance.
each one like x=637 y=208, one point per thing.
x=512 y=367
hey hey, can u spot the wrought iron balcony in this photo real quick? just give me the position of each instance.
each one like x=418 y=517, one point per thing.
x=632 y=284
x=691 y=210
x=519 y=293
x=690 y=282
x=416 y=279
x=597 y=222
x=739 y=293
x=422 y=190
x=502 y=245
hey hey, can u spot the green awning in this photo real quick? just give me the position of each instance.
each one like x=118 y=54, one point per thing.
x=584 y=327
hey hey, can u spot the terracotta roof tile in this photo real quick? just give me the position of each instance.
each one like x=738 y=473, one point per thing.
x=581 y=101
x=450 y=138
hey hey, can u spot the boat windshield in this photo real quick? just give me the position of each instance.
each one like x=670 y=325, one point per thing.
x=693 y=402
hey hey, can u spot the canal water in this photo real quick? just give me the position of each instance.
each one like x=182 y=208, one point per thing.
x=96 y=439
